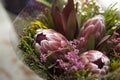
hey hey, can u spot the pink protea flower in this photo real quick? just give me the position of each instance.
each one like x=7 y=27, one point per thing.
x=94 y=26
x=95 y=61
x=47 y=40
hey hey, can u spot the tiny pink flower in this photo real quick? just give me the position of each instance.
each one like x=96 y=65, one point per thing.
x=71 y=61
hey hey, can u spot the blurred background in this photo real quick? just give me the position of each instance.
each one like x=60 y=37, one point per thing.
x=15 y=6
x=11 y=68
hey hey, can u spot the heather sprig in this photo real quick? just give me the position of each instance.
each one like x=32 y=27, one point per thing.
x=72 y=61
x=114 y=44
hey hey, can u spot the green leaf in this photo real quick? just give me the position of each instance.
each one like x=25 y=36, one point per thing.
x=91 y=42
x=71 y=25
x=78 y=21
x=102 y=41
x=115 y=64
x=46 y=19
x=45 y=2
x=111 y=18
x=88 y=11
x=51 y=66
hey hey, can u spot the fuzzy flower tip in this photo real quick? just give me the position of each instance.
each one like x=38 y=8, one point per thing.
x=49 y=40
x=95 y=61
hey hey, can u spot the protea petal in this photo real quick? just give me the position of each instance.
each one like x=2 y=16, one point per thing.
x=54 y=44
x=45 y=45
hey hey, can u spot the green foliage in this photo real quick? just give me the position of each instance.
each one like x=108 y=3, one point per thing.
x=45 y=2
x=111 y=18
x=115 y=75
x=71 y=26
x=88 y=10
x=80 y=74
x=102 y=44
x=114 y=63
x=46 y=19
x=30 y=57
x=26 y=44
x=91 y=42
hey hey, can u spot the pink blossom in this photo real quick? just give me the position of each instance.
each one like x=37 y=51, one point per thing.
x=72 y=61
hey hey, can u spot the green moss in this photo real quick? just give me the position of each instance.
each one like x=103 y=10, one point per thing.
x=114 y=63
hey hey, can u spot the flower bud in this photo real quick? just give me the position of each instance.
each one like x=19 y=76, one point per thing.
x=49 y=40
x=94 y=26
x=96 y=62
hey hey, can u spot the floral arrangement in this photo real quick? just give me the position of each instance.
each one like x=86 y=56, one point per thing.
x=73 y=41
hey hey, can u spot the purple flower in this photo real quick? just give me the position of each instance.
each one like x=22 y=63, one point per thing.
x=47 y=40
x=94 y=26
x=43 y=57
x=95 y=61
x=71 y=61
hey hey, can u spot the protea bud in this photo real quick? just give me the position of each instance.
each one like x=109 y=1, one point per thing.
x=49 y=40
x=94 y=26
x=96 y=62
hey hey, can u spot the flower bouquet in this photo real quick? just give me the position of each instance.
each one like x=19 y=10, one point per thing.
x=70 y=40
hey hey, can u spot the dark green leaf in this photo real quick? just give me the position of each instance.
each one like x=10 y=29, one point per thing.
x=71 y=25
x=45 y=2
x=51 y=66
x=60 y=23
x=103 y=40
x=47 y=19
x=91 y=42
